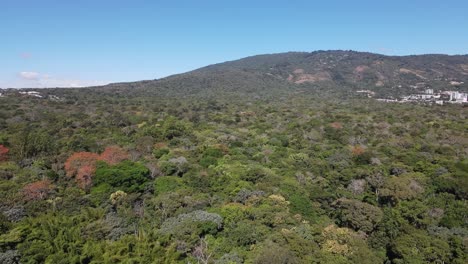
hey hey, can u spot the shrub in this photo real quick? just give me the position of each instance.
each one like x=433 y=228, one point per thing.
x=245 y=233
x=272 y=253
x=189 y=227
x=158 y=153
x=126 y=176
x=358 y=215
x=301 y=204
x=166 y=184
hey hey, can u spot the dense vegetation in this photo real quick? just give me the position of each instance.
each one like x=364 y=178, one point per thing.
x=268 y=159
x=303 y=178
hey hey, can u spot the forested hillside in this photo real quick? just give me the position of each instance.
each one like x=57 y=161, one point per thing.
x=115 y=175
x=342 y=71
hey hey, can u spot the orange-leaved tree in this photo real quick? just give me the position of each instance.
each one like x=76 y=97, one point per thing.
x=113 y=155
x=78 y=160
x=336 y=125
x=84 y=176
x=38 y=190
x=3 y=153
x=357 y=150
x=82 y=165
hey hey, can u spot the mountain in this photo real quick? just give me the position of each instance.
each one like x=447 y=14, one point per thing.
x=334 y=70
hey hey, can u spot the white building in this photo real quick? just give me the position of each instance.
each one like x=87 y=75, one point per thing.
x=429 y=91
x=32 y=93
x=456 y=97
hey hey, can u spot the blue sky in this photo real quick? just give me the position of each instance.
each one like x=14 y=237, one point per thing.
x=77 y=43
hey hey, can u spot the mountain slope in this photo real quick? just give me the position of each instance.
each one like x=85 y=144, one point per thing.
x=340 y=70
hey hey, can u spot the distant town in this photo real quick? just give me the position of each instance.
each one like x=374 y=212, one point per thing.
x=27 y=93
x=427 y=96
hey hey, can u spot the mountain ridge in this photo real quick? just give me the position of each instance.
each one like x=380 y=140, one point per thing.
x=336 y=69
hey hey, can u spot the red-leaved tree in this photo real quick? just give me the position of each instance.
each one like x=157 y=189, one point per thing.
x=78 y=160
x=84 y=176
x=336 y=125
x=113 y=155
x=3 y=153
x=82 y=165
x=37 y=190
x=357 y=150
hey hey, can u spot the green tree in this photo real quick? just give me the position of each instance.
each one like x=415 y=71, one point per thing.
x=126 y=176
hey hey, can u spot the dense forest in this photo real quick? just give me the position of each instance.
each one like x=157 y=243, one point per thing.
x=299 y=178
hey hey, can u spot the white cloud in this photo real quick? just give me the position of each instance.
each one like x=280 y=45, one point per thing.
x=29 y=75
x=55 y=82
x=25 y=55
x=38 y=80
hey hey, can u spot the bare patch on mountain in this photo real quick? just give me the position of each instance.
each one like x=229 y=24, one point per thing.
x=464 y=68
x=378 y=62
x=361 y=69
x=298 y=71
x=363 y=72
x=299 y=76
x=414 y=72
x=359 y=72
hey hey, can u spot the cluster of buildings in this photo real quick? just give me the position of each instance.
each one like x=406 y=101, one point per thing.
x=426 y=96
x=451 y=97
x=26 y=93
